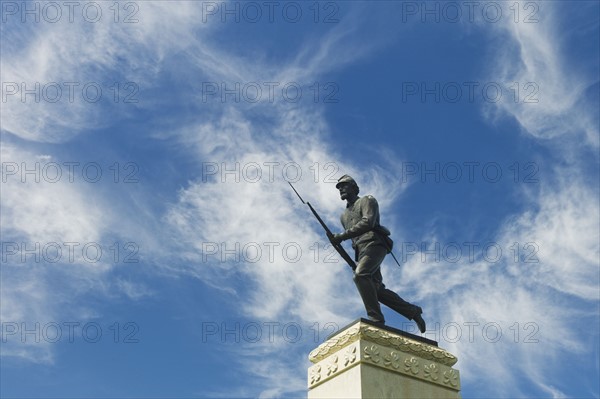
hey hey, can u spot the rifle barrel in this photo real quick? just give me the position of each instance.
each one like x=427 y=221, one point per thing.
x=338 y=247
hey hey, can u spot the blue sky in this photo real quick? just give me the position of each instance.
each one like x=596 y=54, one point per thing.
x=135 y=265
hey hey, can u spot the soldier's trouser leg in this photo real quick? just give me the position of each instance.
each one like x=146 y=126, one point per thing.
x=392 y=300
x=368 y=265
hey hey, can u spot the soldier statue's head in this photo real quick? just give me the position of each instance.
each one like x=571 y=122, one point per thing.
x=348 y=188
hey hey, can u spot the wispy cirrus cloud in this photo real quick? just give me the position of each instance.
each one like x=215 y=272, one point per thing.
x=556 y=292
x=539 y=302
x=215 y=211
x=55 y=61
x=70 y=67
x=526 y=312
x=553 y=91
x=205 y=211
x=38 y=217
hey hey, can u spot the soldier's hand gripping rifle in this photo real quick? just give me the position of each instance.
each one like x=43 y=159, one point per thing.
x=338 y=246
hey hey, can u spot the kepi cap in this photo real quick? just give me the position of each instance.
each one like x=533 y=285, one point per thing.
x=345 y=179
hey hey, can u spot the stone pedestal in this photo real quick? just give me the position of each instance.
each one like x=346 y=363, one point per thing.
x=368 y=361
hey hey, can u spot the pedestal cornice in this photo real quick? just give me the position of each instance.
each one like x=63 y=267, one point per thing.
x=365 y=332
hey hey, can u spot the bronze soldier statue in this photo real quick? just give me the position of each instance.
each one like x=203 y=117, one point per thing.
x=371 y=242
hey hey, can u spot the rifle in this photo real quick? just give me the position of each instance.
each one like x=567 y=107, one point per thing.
x=338 y=246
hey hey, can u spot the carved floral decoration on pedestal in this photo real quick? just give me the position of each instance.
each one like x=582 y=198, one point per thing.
x=315 y=374
x=432 y=372
x=372 y=352
x=393 y=359
x=451 y=378
x=411 y=365
x=333 y=365
x=350 y=356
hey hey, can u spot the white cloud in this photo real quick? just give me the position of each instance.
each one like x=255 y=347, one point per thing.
x=268 y=211
x=554 y=392
x=220 y=210
x=511 y=321
x=560 y=221
x=25 y=302
x=550 y=299
x=220 y=213
x=207 y=211
x=558 y=294
x=42 y=212
x=40 y=203
x=71 y=55
x=566 y=232
x=551 y=99
x=223 y=210
x=39 y=216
